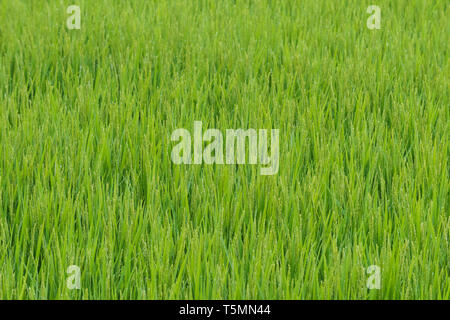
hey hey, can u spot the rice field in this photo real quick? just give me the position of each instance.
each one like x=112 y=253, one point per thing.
x=87 y=178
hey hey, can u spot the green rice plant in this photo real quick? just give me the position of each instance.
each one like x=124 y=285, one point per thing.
x=86 y=176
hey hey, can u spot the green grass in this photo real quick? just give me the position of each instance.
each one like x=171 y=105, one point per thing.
x=86 y=176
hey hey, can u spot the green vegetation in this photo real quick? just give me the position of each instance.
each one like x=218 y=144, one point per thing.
x=86 y=176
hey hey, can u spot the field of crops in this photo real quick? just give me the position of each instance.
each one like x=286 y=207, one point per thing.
x=88 y=186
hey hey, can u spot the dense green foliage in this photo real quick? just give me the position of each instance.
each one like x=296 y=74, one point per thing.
x=86 y=176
